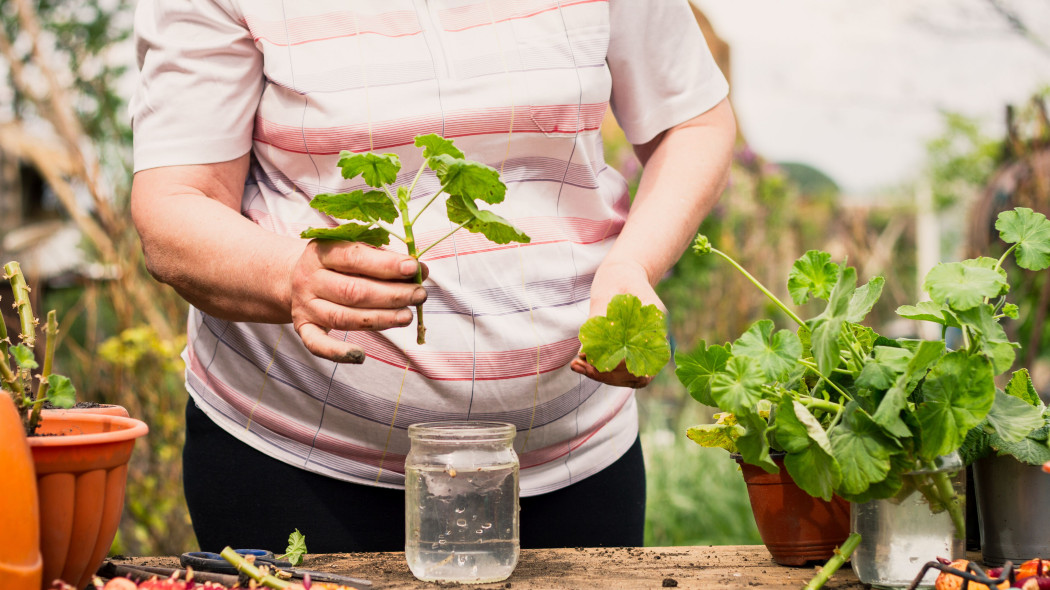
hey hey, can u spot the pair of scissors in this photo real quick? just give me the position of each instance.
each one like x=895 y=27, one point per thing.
x=213 y=562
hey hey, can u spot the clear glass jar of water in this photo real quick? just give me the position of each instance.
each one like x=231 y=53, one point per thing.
x=461 y=502
x=900 y=534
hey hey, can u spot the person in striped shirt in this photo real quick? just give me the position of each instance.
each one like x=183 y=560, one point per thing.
x=239 y=116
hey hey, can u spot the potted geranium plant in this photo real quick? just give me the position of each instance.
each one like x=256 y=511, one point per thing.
x=80 y=460
x=874 y=420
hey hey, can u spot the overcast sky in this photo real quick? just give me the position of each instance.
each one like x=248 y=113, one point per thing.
x=855 y=87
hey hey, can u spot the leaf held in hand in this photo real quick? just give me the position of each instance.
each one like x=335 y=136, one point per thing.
x=296 y=548
x=357 y=205
x=812 y=274
x=350 y=232
x=629 y=333
x=375 y=169
x=1031 y=232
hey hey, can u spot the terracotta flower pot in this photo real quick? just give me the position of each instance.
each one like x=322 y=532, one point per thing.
x=81 y=467
x=795 y=527
x=20 y=540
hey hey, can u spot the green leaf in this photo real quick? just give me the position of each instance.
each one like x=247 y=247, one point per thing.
x=753 y=444
x=24 y=358
x=696 y=368
x=739 y=387
x=928 y=311
x=1013 y=419
x=630 y=333
x=720 y=435
x=809 y=459
x=433 y=145
x=465 y=178
x=1020 y=386
x=989 y=336
x=357 y=205
x=1011 y=311
x=1028 y=451
x=375 y=169
x=861 y=449
x=61 y=392
x=896 y=399
x=296 y=549
x=964 y=285
x=776 y=353
x=350 y=232
x=881 y=372
x=497 y=229
x=864 y=298
x=826 y=329
x=812 y=274
x=1031 y=232
x=958 y=393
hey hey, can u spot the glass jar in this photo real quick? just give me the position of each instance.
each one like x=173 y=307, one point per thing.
x=900 y=534
x=461 y=502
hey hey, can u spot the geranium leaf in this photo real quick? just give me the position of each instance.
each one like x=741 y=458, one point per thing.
x=957 y=395
x=963 y=285
x=375 y=169
x=1031 y=232
x=812 y=274
x=433 y=145
x=1027 y=450
x=462 y=210
x=296 y=548
x=863 y=299
x=989 y=335
x=350 y=232
x=808 y=459
x=754 y=444
x=928 y=311
x=357 y=205
x=60 y=391
x=826 y=329
x=862 y=450
x=1012 y=418
x=720 y=435
x=739 y=387
x=776 y=353
x=464 y=178
x=629 y=333
x=1020 y=386
x=23 y=356
x=696 y=368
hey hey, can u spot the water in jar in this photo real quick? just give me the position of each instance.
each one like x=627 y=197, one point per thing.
x=898 y=538
x=464 y=527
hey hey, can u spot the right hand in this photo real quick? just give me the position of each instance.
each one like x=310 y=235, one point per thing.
x=351 y=286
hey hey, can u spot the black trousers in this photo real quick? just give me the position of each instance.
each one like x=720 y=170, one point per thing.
x=241 y=497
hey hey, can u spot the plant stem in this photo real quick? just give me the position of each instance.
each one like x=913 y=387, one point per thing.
x=410 y=243
x=947 y=496
x=813 y=367
x=251 y=571
x=14 y=274
x=813 y=402
x=51 y=333
x=760 y=286
x=842 y=554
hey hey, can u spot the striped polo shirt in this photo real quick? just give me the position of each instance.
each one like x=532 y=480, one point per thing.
x=521 y=85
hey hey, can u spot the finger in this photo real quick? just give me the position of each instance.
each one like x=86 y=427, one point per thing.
x=361 y=259
x=366 y=293
x=340 y=317
x=318 y=342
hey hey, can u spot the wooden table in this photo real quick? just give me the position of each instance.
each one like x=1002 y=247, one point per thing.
x=574 y=569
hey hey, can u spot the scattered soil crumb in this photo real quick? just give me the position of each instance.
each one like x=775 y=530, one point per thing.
x=670 y=583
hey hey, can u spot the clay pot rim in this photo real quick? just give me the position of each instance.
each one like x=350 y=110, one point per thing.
x=127 y=429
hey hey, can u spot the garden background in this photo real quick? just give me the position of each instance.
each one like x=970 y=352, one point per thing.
x=890 y=134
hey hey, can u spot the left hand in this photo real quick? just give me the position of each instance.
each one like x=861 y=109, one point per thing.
x=611 y=279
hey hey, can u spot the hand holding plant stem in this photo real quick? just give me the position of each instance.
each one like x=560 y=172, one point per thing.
x=464 y=182
x=17 y=362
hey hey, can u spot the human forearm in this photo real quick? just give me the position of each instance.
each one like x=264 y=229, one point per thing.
x=683 y=177
x=215 y=258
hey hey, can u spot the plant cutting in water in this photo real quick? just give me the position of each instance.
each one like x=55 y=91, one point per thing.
x=30 y=383
x=856 y=412
x=464 y=181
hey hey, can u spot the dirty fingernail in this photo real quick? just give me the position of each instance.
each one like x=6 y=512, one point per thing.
x=408 y=267
x=403 y=317
x=419 y=295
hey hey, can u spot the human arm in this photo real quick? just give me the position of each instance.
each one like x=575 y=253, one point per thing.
x=685 y=170
x=195 y=239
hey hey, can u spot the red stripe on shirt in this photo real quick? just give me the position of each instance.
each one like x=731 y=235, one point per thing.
x=332 y=25
x=476 y=15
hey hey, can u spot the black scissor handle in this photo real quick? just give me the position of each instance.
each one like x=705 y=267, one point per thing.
x=206 y=561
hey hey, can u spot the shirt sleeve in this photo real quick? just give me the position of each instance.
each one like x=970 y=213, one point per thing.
x=662 y=71
x=200 y=80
